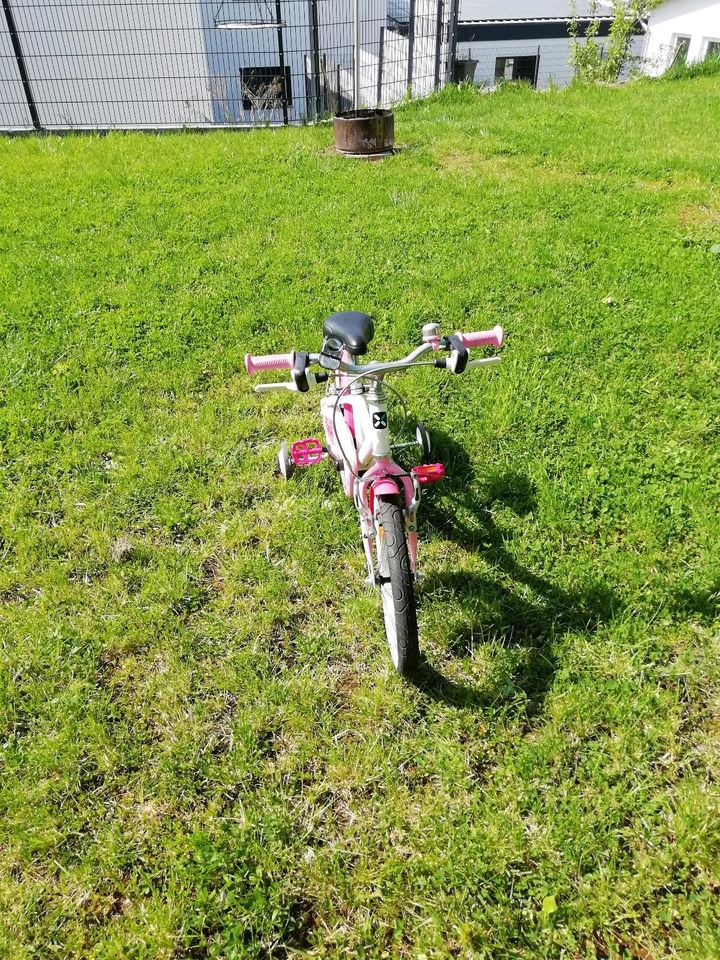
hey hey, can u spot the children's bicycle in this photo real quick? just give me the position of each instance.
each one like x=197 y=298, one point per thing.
x=354 y=413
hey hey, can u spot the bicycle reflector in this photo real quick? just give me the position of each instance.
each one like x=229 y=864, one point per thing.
x=428 y=473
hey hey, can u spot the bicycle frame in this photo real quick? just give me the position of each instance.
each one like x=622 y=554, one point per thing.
x=355 y=418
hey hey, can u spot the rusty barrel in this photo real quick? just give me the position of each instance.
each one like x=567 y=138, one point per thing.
x=364 y=133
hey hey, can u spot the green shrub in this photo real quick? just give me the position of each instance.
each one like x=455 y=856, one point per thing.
x=593 y=65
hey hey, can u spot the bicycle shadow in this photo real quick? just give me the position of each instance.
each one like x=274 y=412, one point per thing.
x=520 y=608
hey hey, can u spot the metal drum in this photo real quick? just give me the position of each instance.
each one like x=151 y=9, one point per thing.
x=364 y=133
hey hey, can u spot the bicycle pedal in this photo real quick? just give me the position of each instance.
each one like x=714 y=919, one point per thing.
x=304 y=453
x=428 y=473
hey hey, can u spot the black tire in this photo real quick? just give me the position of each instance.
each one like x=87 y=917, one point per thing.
x=396 y=587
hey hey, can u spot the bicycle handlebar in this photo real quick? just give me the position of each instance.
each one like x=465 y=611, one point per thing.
x=484 y=338
x=286 y=361
x=271 y=361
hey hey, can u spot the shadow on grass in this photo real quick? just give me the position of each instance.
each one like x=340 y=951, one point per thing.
x=510 y=618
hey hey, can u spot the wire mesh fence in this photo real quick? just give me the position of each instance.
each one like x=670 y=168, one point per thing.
x=538 y=64
x=103 y=64
x=541 y=65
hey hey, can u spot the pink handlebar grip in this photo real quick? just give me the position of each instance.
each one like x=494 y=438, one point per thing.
x=273 y=361
x=485 y=338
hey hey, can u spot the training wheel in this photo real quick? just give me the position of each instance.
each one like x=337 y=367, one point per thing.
x=285 y=463
x=423 y=440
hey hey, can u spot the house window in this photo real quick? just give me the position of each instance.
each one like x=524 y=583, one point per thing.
x=516 y=68
x=263 y=89
x=680 y=50
x=712 y=48
x=401 y=27
x=398 y=16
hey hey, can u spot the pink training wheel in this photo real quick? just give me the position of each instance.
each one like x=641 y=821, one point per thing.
x=306 y=452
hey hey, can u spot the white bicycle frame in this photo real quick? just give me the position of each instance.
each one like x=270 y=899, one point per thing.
x=355 y=418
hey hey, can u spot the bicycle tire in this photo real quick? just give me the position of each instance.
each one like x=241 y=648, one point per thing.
x=396 y=587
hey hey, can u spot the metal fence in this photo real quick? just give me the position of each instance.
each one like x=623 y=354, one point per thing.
x=103 y=64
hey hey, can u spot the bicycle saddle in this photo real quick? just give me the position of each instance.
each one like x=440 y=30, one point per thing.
x=353 y=328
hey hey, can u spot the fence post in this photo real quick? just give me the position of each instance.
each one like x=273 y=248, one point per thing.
x=537 y=69
x=356 y=54
x=20 y=60
x=452 y=38
x=281 y=53
x=411 y=46
x=438 y=41
x=315 y=40
x=325 y=85
x=381 y=53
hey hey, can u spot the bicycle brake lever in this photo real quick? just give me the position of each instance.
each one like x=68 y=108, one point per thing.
x=300 y=371
x=312 y=380
x=269 y=387
x=458 y=359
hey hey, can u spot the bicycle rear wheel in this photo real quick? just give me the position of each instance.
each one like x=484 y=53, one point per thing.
x=396 y=586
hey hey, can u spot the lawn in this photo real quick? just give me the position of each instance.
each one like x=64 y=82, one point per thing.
x=205 y=750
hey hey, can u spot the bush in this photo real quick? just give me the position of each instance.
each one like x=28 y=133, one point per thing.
x=590 y=64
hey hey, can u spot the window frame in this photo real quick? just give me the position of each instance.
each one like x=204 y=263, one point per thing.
x=500 y=78
x=706 y=45
x=273 y=70
x=674 y=49
x=515 y=57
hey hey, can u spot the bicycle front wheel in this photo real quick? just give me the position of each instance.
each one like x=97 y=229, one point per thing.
x=396 y=586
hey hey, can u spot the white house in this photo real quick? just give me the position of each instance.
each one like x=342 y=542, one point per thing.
x=526 y=39
x=681 y=30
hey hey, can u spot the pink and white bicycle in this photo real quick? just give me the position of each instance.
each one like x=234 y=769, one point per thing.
x=354 y=413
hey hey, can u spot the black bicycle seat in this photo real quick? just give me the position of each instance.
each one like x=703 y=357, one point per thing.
x=354 y=329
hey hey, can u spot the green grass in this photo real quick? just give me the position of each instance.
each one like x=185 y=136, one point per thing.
x=205 y=751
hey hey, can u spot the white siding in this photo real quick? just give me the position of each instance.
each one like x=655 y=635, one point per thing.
x=14 y=113
x=101 y=73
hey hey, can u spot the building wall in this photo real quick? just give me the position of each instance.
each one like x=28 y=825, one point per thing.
x=426 y=47
x=90 y=65
x=14 y=113
x=691 y=18
x=554 y=66
x=491 y=29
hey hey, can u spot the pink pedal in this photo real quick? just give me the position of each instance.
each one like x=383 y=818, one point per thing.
x=428 y=473
x=305 y=453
